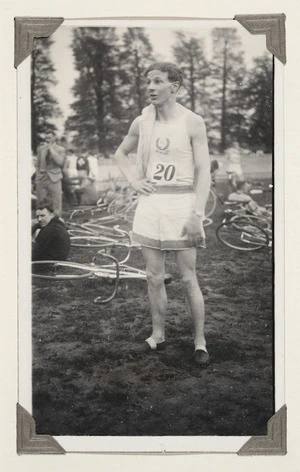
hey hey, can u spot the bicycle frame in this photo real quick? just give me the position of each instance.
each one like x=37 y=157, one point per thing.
x=122 y=204
x=107 y=242
x=91 y=209
x=129 y=272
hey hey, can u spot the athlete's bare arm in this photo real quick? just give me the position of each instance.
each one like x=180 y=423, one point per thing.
x=130 y=144
x=197 y=131
x=193 y=227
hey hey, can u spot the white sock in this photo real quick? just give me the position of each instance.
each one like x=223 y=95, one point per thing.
x=201 y=347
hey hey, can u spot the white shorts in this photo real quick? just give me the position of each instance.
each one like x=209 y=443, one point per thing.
x=160 y=218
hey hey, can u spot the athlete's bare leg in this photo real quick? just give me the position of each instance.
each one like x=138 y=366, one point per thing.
x=186 y=261
x=155 y=269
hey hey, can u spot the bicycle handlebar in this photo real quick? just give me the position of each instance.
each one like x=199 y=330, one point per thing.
x=108 y=256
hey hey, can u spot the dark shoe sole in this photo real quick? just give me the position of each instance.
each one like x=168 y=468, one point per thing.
x=145 y=348
x=201 y=358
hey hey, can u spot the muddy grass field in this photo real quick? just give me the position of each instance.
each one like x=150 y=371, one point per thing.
x=88 y=381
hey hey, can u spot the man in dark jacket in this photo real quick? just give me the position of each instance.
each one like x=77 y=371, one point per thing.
x=52 y=240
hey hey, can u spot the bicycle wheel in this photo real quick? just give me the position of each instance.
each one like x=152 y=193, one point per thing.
x=125 y=272
x=130 y=212
x=247 y=237
x=241 y=220
x=75 y=229
x=91 y=241
x=107 y=231
x=106 y=220
x=60 y=270
x=80 y=232
x=210 y=204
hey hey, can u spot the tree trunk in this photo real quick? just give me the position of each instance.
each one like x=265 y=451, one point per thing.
x=138 y=83
x=192 y=85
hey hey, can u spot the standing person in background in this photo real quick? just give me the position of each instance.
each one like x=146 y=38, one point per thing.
x=214 y=167
x=90 y=195
x=48 y=179
x=173 y=180
x=71 y=179
x=93 y=166
x=83 y=170
x=234 y=168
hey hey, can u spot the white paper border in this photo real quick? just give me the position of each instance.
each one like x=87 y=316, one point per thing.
x=216 y=444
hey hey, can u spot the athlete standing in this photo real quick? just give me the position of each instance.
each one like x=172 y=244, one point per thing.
x=173 y=180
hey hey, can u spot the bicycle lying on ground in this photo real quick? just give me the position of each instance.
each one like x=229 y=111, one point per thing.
x=108 y=239
x=213 y=198
x=117 y=270
x=92 y=211
x=67 y=270
x=244 y=232
x=91 y=235
x=124 y=206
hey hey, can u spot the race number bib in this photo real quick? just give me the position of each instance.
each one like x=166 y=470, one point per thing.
x=164 y=173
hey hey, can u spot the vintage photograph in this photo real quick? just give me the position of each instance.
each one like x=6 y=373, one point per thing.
x=152 y=192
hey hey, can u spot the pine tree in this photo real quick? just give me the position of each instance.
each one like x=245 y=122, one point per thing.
x=259 y=99
x=44 y=107
x=134 y=59
x=96 y=107
x=228 y=77
x=189 y=55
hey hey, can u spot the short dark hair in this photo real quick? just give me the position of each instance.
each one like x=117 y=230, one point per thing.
x=45 y=203
x=174 y=72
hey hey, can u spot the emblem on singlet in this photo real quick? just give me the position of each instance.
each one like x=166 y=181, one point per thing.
x=162 y=146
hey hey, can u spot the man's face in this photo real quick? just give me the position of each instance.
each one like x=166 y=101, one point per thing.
x=159 y=87
x=50 y=139
x=44 y=217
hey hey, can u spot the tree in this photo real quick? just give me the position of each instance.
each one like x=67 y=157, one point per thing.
x=189 y=55
x=259 y=99
x=44 y=107
x=228 y=76
x=96 y=107
x=135 y=57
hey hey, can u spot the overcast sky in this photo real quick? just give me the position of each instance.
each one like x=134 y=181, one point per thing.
x=161 y=37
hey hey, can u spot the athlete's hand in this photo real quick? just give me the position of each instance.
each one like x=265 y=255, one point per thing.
x=194 y=230
x=144 y=186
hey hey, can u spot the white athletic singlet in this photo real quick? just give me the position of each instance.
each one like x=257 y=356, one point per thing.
x=171 y=159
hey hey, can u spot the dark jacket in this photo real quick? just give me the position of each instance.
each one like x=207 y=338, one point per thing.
x=52 y=243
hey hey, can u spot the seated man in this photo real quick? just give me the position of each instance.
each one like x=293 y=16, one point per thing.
x=51 y=238
x=241 y=195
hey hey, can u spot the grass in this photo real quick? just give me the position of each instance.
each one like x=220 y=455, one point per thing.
x=87 y=381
